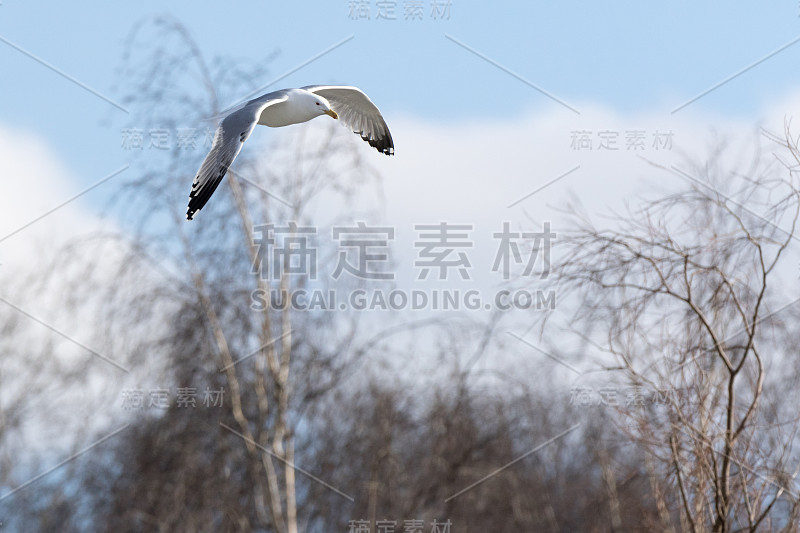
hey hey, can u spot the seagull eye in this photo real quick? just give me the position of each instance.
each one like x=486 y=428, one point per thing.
x=317 y=103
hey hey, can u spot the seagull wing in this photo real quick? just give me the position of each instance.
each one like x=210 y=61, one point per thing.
x=228 y=139
x=357 y=111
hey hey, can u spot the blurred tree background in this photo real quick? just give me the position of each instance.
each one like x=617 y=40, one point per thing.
x=313 y=431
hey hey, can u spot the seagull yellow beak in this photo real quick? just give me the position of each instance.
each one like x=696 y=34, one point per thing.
x=332 y=113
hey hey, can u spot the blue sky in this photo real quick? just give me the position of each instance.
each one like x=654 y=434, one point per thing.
x=625 y=56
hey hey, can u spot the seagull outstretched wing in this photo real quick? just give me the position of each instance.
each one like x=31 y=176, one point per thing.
x=231 y=134
x=357 y=111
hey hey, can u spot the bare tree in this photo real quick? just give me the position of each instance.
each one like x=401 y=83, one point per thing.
x=447 y=449
x=685 y=295
x=238 y=464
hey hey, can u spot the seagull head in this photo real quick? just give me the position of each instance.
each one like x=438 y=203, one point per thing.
x=322 y=106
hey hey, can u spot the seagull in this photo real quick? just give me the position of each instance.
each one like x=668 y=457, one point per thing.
x=282 y=108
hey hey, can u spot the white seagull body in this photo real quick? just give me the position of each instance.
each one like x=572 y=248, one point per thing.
x=281 y=108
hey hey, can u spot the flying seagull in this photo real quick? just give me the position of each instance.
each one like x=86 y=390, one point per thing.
x=281 y=108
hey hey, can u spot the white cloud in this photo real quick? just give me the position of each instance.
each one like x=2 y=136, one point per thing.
x=33 y=358
x=36 y=181
x=471 y=171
